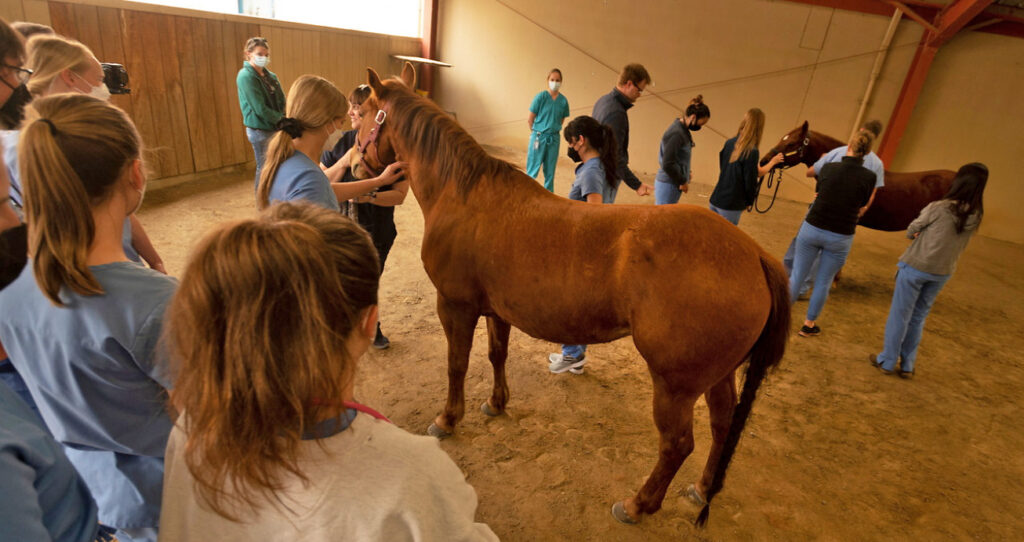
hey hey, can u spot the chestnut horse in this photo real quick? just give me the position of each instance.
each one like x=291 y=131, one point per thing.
x=896 y=204
x=497 y=245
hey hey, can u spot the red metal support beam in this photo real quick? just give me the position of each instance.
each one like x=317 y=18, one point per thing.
x=909 y=12
x=947 y=23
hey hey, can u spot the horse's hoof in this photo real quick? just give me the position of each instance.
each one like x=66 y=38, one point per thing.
x=694 y=496
x=437 y=432
x=620 y=514
x=490 y=411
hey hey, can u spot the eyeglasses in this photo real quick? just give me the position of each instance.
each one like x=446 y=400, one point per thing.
x=21 y=74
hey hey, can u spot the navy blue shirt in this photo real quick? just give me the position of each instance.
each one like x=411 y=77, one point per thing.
x=377 y=220
x=611 y=109
x=674 y=155
x=737 y=181
x=843 y=188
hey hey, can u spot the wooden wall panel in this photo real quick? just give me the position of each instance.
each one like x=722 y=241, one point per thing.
x=183 y=64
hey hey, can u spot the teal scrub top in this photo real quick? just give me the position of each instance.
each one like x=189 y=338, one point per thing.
x=549 y=113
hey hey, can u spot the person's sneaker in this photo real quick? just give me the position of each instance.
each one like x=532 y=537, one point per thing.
x=560 y=364
x=380 y=342
x=875 y=363
x=809 y=331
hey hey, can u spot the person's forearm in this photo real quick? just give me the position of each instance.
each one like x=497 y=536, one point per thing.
x=388 y=198
x=347 y=191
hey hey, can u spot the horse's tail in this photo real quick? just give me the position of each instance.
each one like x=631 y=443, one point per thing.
x=766 y=353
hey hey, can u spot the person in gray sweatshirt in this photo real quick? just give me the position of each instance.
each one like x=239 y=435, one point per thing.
x=940 y=234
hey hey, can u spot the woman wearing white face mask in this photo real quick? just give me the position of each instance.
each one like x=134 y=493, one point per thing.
x=61 y=65
x=260 y=97
x=548 y=112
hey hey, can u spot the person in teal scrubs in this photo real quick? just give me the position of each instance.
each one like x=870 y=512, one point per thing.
x=548 y=112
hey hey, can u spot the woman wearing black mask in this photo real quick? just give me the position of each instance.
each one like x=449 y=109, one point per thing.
x=674 y=156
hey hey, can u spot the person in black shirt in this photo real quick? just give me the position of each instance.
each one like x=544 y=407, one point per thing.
x=375 y=211
x=843 y=191
x=737 y=177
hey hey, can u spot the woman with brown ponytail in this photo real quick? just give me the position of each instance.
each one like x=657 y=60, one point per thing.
x=292 y=171
x=81 y=322
x=674 y=175
x=271 y=444
x=844 y=189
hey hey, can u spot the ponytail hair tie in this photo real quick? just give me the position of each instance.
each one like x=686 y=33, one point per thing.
x=290 y=126
x=53 y=128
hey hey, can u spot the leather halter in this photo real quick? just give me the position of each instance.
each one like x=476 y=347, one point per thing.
x=378 y=119
x=799 y=152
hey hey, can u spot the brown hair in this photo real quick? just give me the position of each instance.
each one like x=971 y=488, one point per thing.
x=261 y=325
x=359 y=94
x=749 y=135
x=11 y=43
x=861 y=142
x=312 y=103
x=48 y=56
x=73 y=150
x=873 y=126
x=698 y=108
x=253 y=43
x=27 y=29
x=635 y=73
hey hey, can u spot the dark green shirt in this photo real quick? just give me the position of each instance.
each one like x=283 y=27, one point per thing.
x=260 y=98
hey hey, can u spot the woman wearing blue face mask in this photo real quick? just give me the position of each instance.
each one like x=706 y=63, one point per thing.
x=548 y=112
x=260 y=96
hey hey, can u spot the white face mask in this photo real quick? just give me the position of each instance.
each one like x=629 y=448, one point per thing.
x=260 y=61
x=100 y=92
x=554 y=85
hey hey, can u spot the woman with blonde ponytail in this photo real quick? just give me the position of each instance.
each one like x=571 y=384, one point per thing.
x=843 y=191
x=62 y=65
x=81 y=322
x=738 y=160
x=291 y=172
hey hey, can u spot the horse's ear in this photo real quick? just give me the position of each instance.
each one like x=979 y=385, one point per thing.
x=373 y=80
x=803 y=128
x=409 y=75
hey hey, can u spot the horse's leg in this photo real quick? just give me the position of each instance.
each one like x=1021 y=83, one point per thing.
x=721 y=399
x=459 y=322
x=497 y=335
x=673 y=416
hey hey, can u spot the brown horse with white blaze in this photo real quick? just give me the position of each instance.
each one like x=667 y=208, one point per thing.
x=497 y=245
x=896 y=204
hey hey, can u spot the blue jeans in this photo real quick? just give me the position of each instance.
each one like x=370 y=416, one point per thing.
x=13 y=380
x=259 y=140
x=731 y=216
x=543 y=150
x=911 y=301
x=787 y=262
x=574 y=350
x=666 y=193
x=832 y=248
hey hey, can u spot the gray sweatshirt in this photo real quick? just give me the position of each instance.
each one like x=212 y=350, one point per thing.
x=938 y=246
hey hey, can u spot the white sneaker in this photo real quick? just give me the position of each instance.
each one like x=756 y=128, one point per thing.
x=560 y=364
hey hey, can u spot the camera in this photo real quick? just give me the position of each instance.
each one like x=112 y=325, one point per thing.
x=116 y=78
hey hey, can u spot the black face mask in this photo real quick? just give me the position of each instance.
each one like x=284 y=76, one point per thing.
x=574 y=156
x=695 y=127
x=13 y=253
x=13 y=111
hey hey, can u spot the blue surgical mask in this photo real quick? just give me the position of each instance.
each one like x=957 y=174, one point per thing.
x=260 y=61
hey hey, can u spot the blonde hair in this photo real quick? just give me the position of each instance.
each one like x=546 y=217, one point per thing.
x=49 y=55
x=313 y=102
x=260 y=325
x=861 y=142
x=73 y=150
x=749 y=135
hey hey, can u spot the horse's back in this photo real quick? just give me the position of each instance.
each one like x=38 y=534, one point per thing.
x=899 y=202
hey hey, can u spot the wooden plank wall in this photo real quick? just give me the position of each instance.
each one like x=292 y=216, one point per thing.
x=182 y=65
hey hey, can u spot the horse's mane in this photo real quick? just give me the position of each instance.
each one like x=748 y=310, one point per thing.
x=439 y=143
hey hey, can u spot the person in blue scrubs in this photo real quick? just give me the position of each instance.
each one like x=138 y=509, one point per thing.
x=81 y=322
x=593 y=145
x=292 y=170
x=548 y=112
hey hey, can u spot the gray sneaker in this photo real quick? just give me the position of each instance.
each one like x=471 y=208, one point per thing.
x=560 y=364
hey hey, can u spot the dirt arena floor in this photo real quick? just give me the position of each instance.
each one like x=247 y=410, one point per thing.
x=834 y=450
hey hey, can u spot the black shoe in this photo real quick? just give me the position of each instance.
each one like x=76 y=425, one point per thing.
x=380 y=342
x=905 y=374
x=809 y=331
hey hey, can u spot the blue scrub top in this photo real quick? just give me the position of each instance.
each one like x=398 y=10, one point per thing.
x=590 y=179
x=94 y=371
x=41 y=495
x=550 y=113
x=871 y=161
x=298 y=177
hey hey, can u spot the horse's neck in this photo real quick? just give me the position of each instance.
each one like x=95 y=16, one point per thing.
x=818 y=146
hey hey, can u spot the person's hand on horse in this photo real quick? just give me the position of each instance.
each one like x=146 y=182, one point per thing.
x=644 y=190
x=392 y=174
x=684 y=188
x=776 y=159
